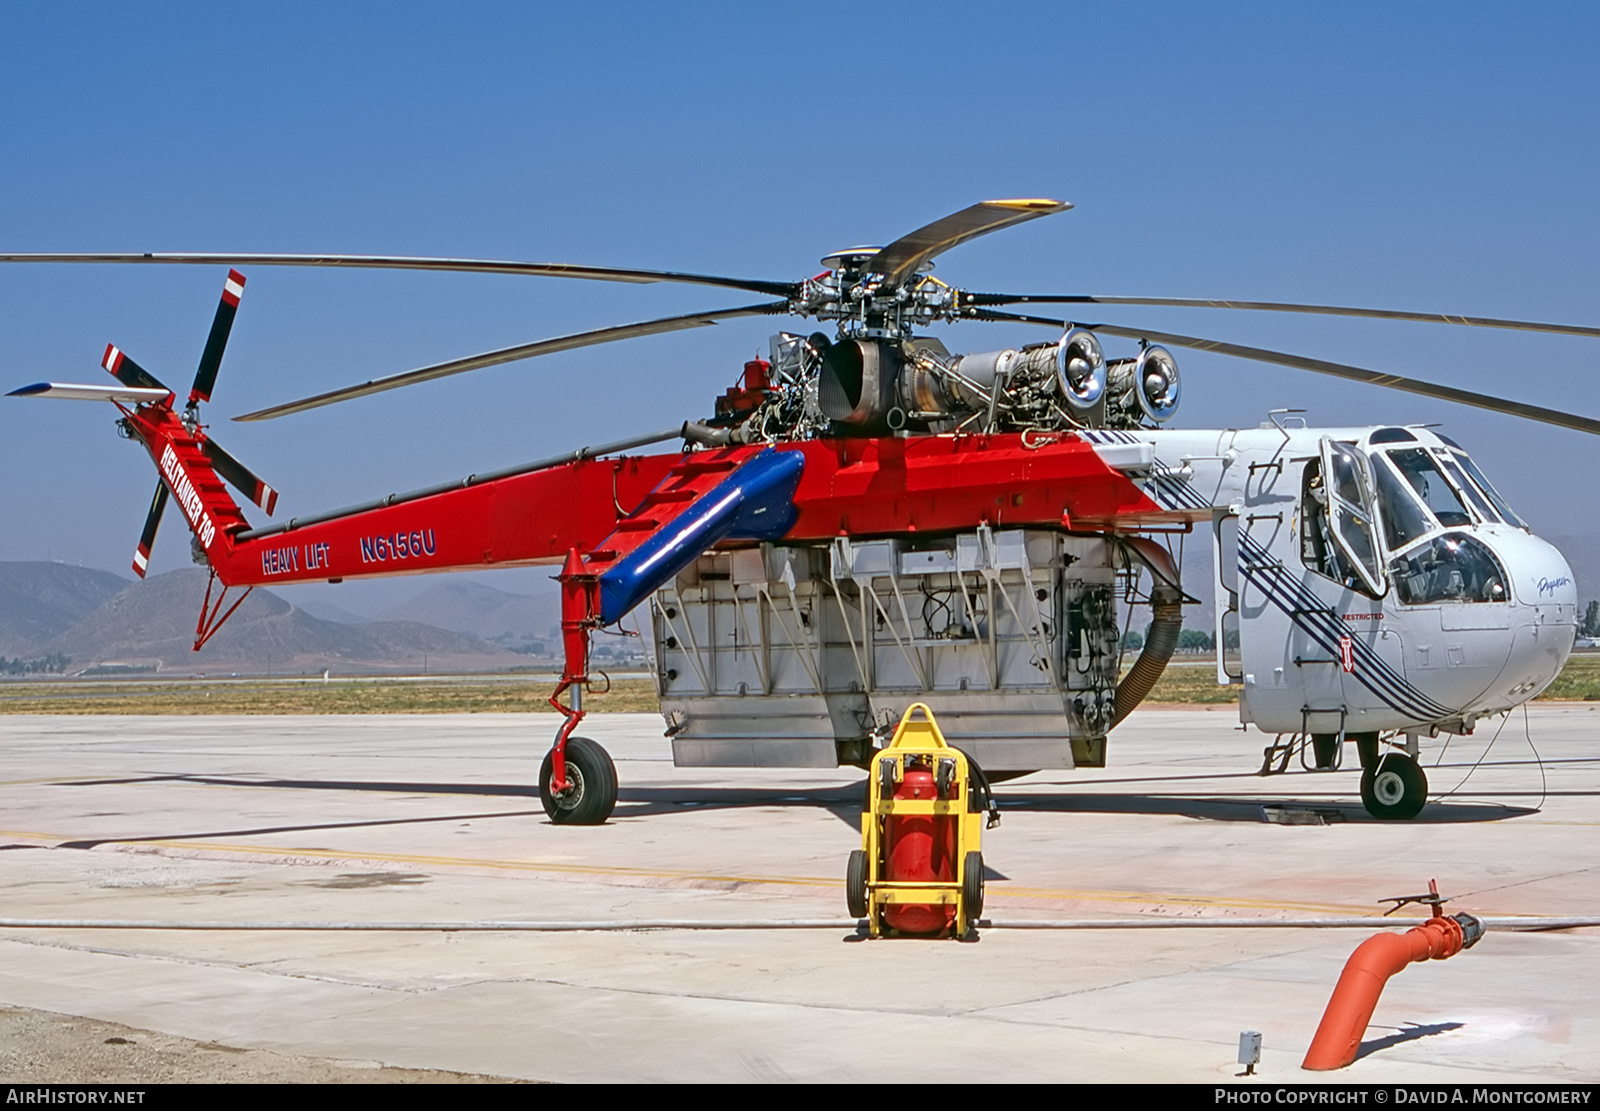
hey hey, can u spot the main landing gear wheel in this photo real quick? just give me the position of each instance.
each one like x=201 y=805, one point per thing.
x=593 y=794
x=1394 y=787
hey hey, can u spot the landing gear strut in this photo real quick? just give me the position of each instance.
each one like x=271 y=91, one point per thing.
x=577 y=781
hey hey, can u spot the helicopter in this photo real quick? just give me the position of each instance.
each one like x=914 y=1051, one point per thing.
x=866 y=520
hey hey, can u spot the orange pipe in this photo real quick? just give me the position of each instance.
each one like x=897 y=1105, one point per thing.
x=1376 y=959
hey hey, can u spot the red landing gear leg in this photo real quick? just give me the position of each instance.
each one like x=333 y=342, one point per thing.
x=577 y=782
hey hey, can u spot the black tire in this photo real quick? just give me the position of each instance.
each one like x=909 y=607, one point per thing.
x=972 y=887
x=855 y=884
x=594 y=792
x=1394 y=788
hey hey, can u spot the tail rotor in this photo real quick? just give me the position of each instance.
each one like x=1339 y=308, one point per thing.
x=235 y=473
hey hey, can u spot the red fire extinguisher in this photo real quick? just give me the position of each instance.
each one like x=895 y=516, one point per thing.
x=921 y=848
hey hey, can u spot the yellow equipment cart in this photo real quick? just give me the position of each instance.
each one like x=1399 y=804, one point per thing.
x=919 y=871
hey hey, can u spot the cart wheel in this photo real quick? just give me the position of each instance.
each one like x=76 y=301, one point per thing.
x=886 y=768
x=1394 y=788
x=594 y=785
x=855 y=884
x=972 y=887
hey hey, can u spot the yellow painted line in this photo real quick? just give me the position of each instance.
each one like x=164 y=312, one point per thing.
x=1145 y=897
x=505 y=865
x=1065 y=894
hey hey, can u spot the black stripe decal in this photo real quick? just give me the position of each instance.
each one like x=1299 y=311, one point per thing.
x=1309 y=613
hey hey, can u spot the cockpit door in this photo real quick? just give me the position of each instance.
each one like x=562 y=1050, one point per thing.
x=1348 y=487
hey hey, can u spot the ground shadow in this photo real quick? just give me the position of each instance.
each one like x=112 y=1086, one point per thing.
x=1240 y=808
x=843 y=801
x=523 y=790
x=1410 y=1033
x=258 y=831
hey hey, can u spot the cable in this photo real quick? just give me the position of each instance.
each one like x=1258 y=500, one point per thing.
x=1544 y=786
x=1522 y=922
x=1487 y=749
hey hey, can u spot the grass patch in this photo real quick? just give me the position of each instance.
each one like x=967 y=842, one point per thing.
x=1191 y=681
x=495 y=694
x=1185 y=681
x=1579 y=681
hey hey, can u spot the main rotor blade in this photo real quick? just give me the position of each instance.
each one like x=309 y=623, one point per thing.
x=405 y=262
x=900 y=259
x=205 y=375
x=512 y=354
x=71 y=391
x=1279 y=306
x=1322 y=366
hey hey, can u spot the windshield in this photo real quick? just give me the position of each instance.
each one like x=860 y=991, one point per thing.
x=1404 y=520
x=1464 y=485
x=1489 y=491
x=1417 y=467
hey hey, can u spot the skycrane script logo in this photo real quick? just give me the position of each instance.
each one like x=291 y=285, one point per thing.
x=187 y=496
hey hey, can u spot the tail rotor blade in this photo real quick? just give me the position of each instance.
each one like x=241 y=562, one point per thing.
x=147 y=538
x=205 y=376
x=241 y=477
x=128 y=372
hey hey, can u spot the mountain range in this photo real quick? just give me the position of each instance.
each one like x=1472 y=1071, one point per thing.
x=103 y=622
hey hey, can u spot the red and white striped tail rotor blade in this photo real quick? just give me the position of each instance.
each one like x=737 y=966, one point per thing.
x=205 y=376
x=128 y=372
x=147 y=538
x=241 y=477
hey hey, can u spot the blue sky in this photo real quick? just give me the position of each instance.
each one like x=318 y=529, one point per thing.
x=1426 y=156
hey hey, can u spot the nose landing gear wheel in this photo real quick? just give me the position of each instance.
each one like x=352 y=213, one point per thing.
x=1394 y=787
x=593 y=794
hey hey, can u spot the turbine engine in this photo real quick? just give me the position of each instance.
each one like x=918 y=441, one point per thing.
x=872 y=386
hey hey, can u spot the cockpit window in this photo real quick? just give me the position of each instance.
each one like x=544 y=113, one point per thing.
x=1336 y=532
x=1419 y=469
x=1346 y=478
x=1450 y=568
x=1392 y=436
x=1489 y=491
x=1403 y=519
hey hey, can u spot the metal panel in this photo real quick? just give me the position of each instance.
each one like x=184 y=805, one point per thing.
x=796 y=656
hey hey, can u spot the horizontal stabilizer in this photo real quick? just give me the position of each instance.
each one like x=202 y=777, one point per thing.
x=71 y=392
